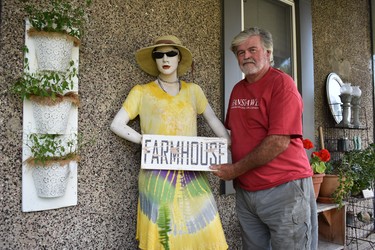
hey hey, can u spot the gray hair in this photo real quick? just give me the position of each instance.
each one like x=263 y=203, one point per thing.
x=265 y=38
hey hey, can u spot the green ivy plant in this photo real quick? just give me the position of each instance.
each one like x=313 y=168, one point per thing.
x=48 y=148
x=44 y=84
x=61 y=17
x=346 y=176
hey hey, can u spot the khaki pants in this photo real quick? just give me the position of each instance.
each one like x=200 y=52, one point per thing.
x=279 y=218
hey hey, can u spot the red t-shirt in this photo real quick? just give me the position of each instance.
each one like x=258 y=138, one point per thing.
x=270 y=106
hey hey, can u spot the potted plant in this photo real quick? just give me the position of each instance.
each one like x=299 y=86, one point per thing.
x=338 y=176
x=51 y=97
x=55 y=32
x=318 y=160
x=50 y=158
x=352 y=174
x=362 y=164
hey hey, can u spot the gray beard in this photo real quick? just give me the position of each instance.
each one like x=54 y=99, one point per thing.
x=250 y=70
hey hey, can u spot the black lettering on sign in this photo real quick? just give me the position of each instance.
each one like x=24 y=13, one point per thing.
x=194 y=149
x=175 y=153
x=203 y=154
x=164 y=148
x=212 y=149
x=184 y=153
x=155 y=153
x=146 y=150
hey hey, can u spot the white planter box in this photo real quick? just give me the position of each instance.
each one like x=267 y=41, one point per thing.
x=51 y=119
x=53 y=53
x=51 y=181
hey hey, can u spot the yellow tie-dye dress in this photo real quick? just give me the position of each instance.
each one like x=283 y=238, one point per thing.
x=176 y=209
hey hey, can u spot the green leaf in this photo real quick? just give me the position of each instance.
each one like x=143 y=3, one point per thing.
x=318 y=167
x=163 y=223
x=44 y=83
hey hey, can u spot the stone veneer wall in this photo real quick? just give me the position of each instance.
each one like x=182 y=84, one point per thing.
x=105 y=216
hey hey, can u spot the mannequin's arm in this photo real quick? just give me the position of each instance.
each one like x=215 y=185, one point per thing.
x=119 y=127
x=215 y=124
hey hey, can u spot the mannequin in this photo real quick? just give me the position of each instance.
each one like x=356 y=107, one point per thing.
x=169 y=106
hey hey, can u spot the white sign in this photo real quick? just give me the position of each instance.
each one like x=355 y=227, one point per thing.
x=182 y=152
x=368 y=193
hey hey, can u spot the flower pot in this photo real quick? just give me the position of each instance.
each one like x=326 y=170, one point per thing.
x=329 y=185
x=317 y=181
x=51 y=181
x=51 y=119
x=53 y=50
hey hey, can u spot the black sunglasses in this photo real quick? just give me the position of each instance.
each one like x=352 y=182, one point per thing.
x=159 y=54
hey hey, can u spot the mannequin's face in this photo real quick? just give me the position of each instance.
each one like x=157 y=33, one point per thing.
x=168 y=63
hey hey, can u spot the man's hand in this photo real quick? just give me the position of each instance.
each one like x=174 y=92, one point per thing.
x=224 y=171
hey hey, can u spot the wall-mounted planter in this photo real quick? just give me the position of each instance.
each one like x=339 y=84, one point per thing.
x=35 y=198
x=51 y=181
x=53 y=50
x=50 y=162
x=52 y=116
x=51 y=45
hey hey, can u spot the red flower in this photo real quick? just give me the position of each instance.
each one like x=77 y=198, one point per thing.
x=318 y=158
x=323 y=155
x=307 y=144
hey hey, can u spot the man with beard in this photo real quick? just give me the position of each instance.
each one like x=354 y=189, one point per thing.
x=275 y=200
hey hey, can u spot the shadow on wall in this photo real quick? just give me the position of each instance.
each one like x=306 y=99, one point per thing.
x=339 y=65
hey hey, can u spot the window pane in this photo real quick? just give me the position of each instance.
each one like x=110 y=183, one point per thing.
x=276 y=17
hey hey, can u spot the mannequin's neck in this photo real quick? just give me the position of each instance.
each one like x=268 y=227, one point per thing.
x=169 y=84
x=172 y=78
